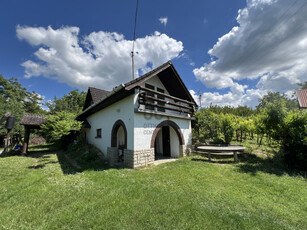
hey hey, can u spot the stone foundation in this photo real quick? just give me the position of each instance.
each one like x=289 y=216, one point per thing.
x=112 y=155
x=185 y=150
x=139 y=158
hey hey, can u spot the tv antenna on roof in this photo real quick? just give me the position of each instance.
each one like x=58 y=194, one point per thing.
x=132 y=52
x=199 y=95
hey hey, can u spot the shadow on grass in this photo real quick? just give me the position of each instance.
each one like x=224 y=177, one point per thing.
x=69 y=166
x=216 y=161
x=253 y=164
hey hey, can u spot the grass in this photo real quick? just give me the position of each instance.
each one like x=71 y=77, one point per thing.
x=43 y=191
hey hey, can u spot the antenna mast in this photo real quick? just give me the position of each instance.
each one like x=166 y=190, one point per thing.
x=132 y=52
x=199 y=95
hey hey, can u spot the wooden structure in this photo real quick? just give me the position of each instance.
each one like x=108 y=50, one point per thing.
x=222 y=150
x=30 y=121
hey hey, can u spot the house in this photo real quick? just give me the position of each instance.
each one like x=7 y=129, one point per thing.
x=302 y=98
x=143 y=120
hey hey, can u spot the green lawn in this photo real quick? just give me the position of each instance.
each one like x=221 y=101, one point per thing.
x=43 y=191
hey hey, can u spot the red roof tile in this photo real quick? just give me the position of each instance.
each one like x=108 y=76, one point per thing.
x=302 y=98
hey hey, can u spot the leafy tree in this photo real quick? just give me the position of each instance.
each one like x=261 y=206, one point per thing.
x=16 y=99
x=72 y=102
x=242 y=111
x=295 y=139
x=12 y=96
x=303 y=85
x=276 y=97
x=33 y=103
x=59 y=125
x=207 y=125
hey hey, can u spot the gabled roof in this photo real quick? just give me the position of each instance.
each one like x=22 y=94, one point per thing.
x=167 y=75
x=32 y=120
x=93 y=95
x=302 y=98
x=97 y=93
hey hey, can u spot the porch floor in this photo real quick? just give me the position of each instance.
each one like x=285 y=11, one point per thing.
x=164 y=160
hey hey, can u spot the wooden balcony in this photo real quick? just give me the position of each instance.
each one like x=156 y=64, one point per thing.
x=154 y=101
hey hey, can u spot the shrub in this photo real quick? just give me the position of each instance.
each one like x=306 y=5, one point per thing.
x=227 y=127
x=59 y=125
x=295 y=140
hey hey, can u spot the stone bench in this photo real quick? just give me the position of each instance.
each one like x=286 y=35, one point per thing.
x=222 y=150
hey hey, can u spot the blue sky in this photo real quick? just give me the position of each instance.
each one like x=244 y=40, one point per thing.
x=233 y=52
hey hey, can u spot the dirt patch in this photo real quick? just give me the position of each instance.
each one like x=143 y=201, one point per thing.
x=38 y=140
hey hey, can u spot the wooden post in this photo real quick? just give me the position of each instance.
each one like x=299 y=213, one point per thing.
x=26 y=140
x=6 y=143
x=235 y=156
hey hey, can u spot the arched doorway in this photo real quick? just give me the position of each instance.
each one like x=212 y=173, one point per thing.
x=119 y=138
x=119 y=134
x=166 y=140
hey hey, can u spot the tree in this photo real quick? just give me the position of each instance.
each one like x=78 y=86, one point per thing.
x=303 y=85
x=294 y=139
x=59 y=125
x=12 y=96
x=72 y=102
x=276 y=97
x=16 y=99
x=33 y=103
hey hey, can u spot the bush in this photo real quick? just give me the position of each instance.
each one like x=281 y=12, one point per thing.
x=295 y=140
x=59 y=125
x=227 y=127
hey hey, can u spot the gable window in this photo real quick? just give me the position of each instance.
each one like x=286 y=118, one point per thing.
x=98 y=133
x=150 y=107
x=160 y=97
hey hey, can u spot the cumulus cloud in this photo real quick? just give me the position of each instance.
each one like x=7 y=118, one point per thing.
x=101 y=59
x=270 y=43
x=249 y=97
x=163 y=21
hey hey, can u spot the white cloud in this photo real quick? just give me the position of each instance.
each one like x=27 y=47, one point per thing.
x=100 y=59
x=270 y=43
x=249 y=97
x=163 y=21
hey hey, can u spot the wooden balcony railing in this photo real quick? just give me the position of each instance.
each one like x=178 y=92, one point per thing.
x=156 y=100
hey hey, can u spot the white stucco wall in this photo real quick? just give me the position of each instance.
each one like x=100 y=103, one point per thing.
x=145 y=124
x=105 y=119
x=174 y=142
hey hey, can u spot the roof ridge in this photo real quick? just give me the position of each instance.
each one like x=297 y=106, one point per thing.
x=148 y=73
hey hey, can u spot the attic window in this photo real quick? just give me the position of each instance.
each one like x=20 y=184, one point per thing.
x=98 y=133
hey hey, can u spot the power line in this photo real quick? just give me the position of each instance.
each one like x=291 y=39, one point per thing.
x=132 y=52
